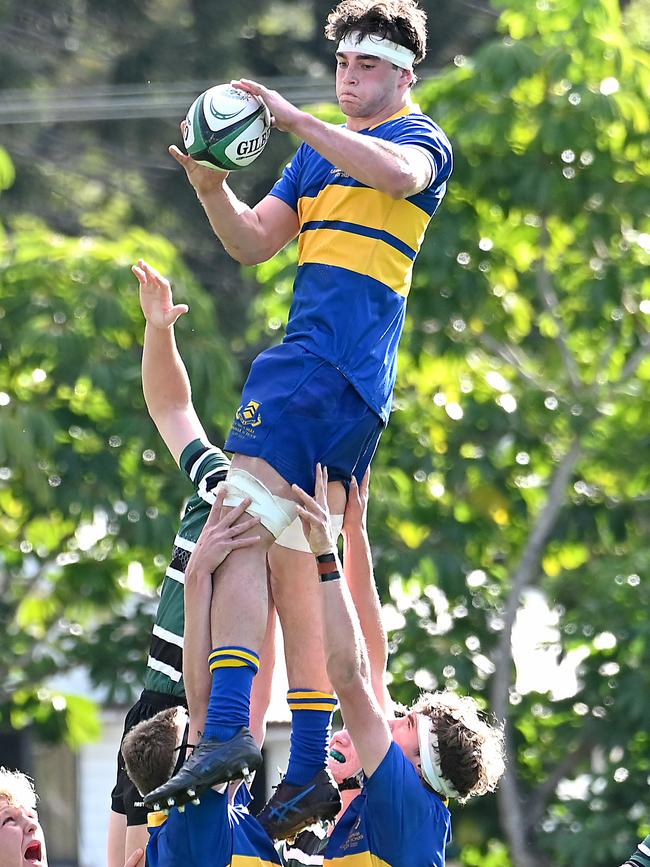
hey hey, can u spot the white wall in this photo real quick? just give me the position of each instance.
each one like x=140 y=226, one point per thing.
x=96 y=769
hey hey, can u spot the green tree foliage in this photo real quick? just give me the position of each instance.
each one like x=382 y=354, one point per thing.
x=515 y=461
x=89 y=497
x=109 y=170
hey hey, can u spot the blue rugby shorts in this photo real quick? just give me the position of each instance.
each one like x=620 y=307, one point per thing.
x=298 y=410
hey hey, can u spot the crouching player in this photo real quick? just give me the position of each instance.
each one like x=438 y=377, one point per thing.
x=217 y=831
x=439 y=749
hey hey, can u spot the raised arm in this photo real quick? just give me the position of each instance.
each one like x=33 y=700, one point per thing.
x=249 y=235
x=165 y=382
x=347 y=665
x=357 y=559
x=395 y=169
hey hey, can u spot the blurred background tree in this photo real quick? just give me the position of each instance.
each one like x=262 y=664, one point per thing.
x=509 y=515
x=89 y=497
x=508 y=489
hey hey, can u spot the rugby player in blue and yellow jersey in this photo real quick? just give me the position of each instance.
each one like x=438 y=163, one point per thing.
x=359 y=197
x=439 y=749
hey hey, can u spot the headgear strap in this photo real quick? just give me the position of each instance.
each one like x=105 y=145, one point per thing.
x=377 y=46
x=430 y=759
x=182 y=749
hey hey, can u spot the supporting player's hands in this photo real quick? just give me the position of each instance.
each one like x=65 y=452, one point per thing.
x=315 y=515
x=356 y=509
x=203 y=179
x=284 y=115
x=221 y=535
x=156 y=297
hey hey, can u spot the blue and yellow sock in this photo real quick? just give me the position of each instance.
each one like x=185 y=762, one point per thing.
x=229 y=708
x=311 y=724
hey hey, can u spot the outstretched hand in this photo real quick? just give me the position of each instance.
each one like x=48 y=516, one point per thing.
x=203 y=179
x=315 y=515
x=156 y=297
x=221 y=535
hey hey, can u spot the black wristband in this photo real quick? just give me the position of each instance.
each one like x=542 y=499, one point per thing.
x=326 y=564
x=335 y=575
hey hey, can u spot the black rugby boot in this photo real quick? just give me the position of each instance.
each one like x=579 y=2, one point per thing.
x=211 y=763
x=292 y=808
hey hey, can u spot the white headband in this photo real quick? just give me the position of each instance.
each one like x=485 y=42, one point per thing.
x=376 y=46
x=429 y=758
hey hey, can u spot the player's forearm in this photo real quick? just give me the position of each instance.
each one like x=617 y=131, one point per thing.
x=235 y=224
x=165 y=382
x=197 y=645
x=379 y=164
x=344 y=649
x=360 y=579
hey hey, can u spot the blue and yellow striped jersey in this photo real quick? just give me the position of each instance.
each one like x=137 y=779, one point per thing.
x=396 y=821
x=356 y=250
x=212 y=834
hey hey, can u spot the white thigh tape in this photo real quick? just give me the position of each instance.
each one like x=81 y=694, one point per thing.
x=275 y=513
x=293 y=537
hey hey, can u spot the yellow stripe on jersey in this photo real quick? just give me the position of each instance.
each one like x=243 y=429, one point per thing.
x=369 y=208
x=155 y=820
x=375 y=258
x=252 y=861
x=359 y=859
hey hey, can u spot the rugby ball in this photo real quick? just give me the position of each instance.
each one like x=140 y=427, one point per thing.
x=226 y=128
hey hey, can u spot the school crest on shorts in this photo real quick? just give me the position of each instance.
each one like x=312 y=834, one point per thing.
x=249 y=414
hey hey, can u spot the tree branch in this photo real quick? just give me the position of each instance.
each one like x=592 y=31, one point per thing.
x=550 y=301
x=514 y=356
x=509 y=798
x=537 y=803
x=635 y=359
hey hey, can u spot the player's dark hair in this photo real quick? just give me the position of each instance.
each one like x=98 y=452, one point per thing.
x=149 y=750
x=401 y=21
x=470 y=749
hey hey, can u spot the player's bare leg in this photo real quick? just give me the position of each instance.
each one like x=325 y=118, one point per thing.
x=238 y=619
x=307 y=791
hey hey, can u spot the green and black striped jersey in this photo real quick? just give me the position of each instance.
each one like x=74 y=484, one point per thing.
x=307 y=850
x=641 y=857
x=206 y=466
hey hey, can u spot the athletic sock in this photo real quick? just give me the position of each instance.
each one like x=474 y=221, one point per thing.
x=233 y=670
x=311 y=723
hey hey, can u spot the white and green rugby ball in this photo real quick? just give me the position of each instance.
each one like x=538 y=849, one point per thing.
x=226 y=128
